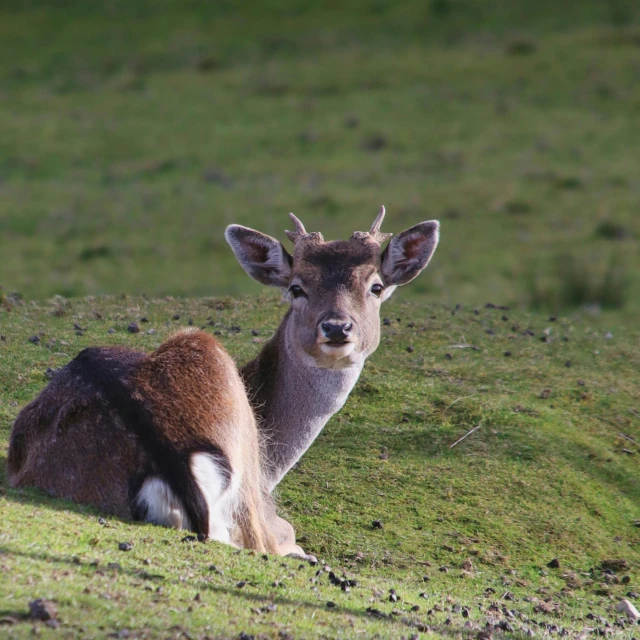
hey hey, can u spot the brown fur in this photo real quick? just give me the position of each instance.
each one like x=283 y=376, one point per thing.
x=70 y=442
x=190 y=386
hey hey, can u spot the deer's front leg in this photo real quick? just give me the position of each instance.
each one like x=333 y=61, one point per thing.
x=285 y=536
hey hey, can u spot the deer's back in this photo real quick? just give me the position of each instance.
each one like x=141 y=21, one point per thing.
x=114 y=416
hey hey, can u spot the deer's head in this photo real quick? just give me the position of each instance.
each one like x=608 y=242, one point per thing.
x=335 y=288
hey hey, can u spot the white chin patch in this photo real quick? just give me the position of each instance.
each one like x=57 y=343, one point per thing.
x=338 y=352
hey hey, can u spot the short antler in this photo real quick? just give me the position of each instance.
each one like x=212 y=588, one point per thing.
x=301 y=232
x=375 y=232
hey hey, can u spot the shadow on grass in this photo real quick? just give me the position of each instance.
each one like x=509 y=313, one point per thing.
x=370 y=613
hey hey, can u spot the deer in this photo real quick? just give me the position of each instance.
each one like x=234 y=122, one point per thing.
x=183 y=438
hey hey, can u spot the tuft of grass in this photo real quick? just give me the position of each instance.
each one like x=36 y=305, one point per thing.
x=610 y=230
x=577 y=280
x=463 y=536
x=621 y=13
x=520 y=46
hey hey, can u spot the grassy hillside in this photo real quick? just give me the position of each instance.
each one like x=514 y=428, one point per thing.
x=468 y=531
x=131 y=133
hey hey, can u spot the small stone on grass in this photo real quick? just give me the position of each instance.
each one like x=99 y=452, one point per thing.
x=41 y=609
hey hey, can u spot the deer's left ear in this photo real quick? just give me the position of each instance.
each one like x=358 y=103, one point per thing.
x=409 y=253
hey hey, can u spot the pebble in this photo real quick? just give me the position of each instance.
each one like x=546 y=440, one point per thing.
x=133 y=327
x=627 y=608
x=125 y=546
x=41 y=609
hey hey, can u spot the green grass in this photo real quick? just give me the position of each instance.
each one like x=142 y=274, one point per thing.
x=542 y=478
x=131 y=133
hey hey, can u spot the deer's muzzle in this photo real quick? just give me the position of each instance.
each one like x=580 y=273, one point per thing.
x=336 y=332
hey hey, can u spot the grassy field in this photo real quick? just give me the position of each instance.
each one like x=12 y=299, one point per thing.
x=551 y=473
x=131 y=133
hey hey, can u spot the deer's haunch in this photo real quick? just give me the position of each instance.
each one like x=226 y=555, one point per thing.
x=179 y=437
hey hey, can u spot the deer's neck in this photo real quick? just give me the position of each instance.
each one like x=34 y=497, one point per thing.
x=293 y=399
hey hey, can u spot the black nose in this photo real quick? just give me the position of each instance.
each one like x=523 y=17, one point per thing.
x=336 y=332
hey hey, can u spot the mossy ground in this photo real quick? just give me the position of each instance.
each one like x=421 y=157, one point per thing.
x=542 y=478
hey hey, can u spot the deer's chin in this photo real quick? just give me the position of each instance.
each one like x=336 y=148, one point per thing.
x=337 y=351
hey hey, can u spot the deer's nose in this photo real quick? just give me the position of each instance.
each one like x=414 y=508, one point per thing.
x=336 y=331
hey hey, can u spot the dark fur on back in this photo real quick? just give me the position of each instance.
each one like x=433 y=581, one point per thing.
x=62 y=441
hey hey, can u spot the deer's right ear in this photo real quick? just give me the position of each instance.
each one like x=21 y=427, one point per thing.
x=261 y=256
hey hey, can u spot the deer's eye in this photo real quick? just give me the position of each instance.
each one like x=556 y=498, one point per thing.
x=297 y=291
x=377 y=290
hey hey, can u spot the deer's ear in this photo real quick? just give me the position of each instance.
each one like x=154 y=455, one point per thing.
x=261 y=256
x=409 y=253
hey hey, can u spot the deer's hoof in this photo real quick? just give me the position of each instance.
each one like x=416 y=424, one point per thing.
x=307 y=557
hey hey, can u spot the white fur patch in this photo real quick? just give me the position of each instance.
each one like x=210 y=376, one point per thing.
x=162 y=506
x=221 y=501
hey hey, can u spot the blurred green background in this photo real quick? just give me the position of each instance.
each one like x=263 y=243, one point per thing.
x=132 y=132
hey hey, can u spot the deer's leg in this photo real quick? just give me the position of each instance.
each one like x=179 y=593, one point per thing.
x=220 y=489
x=285 y=536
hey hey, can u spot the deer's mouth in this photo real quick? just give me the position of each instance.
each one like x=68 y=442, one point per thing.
x=338 y=349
